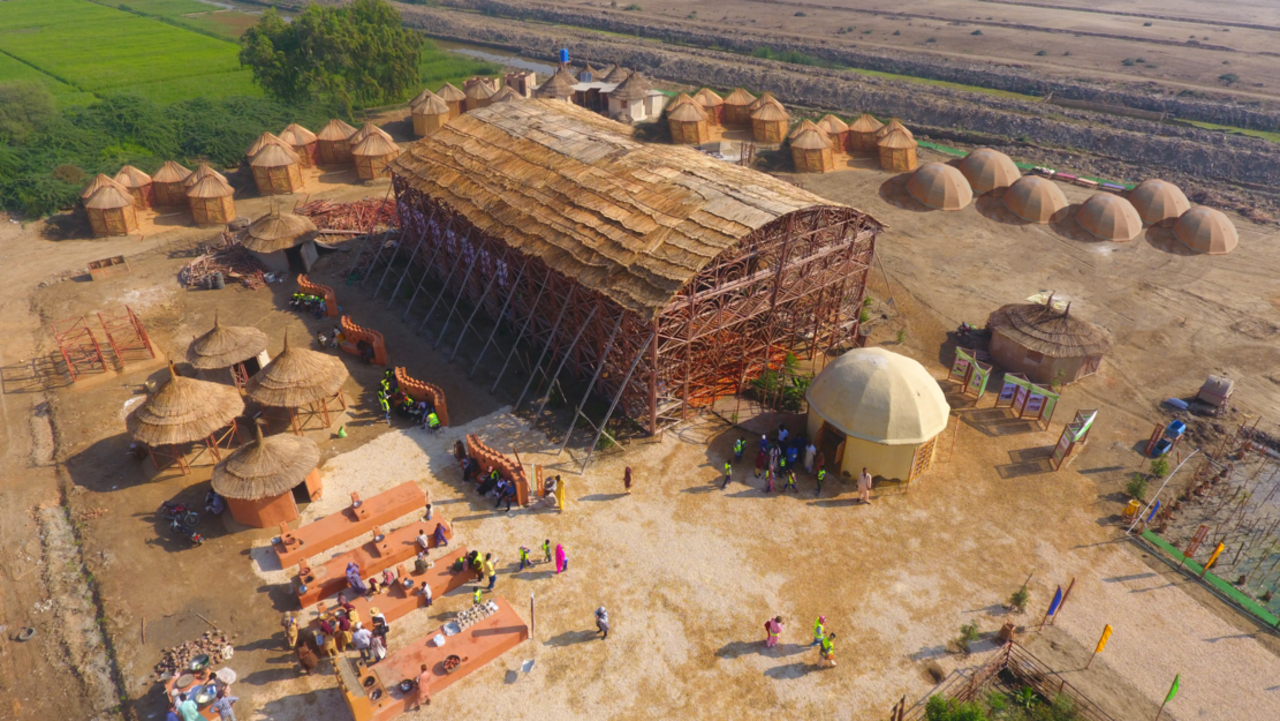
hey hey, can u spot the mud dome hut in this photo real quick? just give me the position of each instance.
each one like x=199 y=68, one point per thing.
x=940 y=186
x=873 y=408
x=301 y=386
x=211 y=202
x=897 y=152
x=1045 y=343
x=1035 y=199
x=989 y=170
x=279 y=240
x=769 y=123
x=1109 y=217
x=169 y=184
x=303 y=142
x=429 y=115
x=138 y=184
x=260 y=478
x=737 y=107
x=711 y=104
x=607 y=266
x=373 y=154
x=228 y=350
x=183 y=411
x=863 y=134
x=688 y=123
x=454 y=98
x=1159 y=203
x=111 y=212
x=1206 y=230
x=331 y=142
x=811 y=152
x=277 y=170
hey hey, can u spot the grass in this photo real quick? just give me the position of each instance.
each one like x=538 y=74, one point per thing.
x=1265 y=135
x=13 y=69
x=945 y=84
x=101 y=50
x=438 y=67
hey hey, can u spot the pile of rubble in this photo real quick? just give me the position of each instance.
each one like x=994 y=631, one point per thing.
x=177 y=660
x=358 y=218
x=230 y=259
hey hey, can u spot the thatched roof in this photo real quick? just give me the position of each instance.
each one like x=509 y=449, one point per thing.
x=170 y=172
x=865 y=123
x=184 y=410
x=335 y=130
x=210 y=186
x=688 y=113
x=450 y=94
x=109 y=197
x=1206 y=230
x=225 y=345
x=739 y=96
x=202 y=172
x=1045 y=329
x=617 y=75
x=481 y=89
x=100 y=181
x=365 y=131
x=434 y=105
x=896 y=140
x=263 y=141
x=765 y=98
x=506 y=95
x=422 y=97
x=811 y=139
x=277 y=231
x=297 y=135
x=274 y=156
x=376 y=146
x=556 y=88
x=770 y=112
x=265 y=467
x=831 y=125
x=802 y=126
x=297 y=377
x=707 y=98
x=131 y=177
x=635 y=87
x=681 y=99
x=630 y=220
x=892 y=125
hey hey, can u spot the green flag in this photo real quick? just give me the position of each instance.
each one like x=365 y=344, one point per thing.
x=1173 y=690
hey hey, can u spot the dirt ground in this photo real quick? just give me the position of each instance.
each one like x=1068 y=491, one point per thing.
x=688 y=572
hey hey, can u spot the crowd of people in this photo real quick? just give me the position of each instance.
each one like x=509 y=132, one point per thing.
x=418 y=412
x=822 y=638
x=778 y=461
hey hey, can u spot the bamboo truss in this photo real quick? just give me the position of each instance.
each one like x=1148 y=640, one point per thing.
x=794 y=286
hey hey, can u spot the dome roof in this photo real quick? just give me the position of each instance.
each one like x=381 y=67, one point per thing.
x=940 y=186
x=880 y=396
x=988 y=169
x=1206 y=230
x=1035 y=199
x=1158 y=201
x=1110 y=217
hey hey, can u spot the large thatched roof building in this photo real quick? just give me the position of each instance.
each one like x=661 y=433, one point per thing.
x=608 y=245
x=277 y=239
x=1046 y=344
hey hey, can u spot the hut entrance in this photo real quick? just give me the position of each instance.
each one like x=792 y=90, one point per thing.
x=831 y=442
x=301 y=494
x=1090 y=365
x=301 y=257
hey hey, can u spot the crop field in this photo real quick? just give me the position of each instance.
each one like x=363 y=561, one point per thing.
x=13 y=69
x=438 y=67
x=103 y=50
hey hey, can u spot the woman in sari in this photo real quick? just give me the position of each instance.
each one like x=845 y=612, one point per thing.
x=562 y=561
x=353 y=579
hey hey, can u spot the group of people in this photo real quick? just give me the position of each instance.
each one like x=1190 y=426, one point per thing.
x=184 y=707
x=313 y=304
x=391 y=396
x=489 y=481
x=778 y=462
x=824 y=640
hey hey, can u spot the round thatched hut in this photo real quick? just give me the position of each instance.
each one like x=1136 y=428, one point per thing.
x=556 y=88
x=1206 y=230
x=989 y=170
x=864 y=134
x=422 y=96
x=1035 y=199
x=892 y=125
x=242 y=350
x=258 y=479
x=506 y=95
x=277 y=170
x=811 y=152
x=263 y=141
x=479 y=92
x=454 y=98
x=617 y=75
x=303 y=142
x=737 y=107
x=837 y=130
x=769 y=123
x=712 y=105
x=302 y=383
x=681 y=99
x=111 y=212
x=169 y=184
x=803 y=125
x=875 y=409
x=211 y=202
x=940 y=186
x=204 y=171
x=429 y=115
x=630 y=99
x=897 y=152
x=765 y=97
x=372 y=156
x=182 y=411
x=1159 y=203
x=277 y=238
x=365 y=131
x=1109 y=217
x=689 y=124
x=138 y=184
x=331 y=142
x=1045 y=344
x=98 y=182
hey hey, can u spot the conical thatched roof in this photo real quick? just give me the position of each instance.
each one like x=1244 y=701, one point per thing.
x=277 y=231
x=707 y=98
x=100 y=181
x=365 y=131
x=765 y=98
x=506 y=95
x=940 y=186
x=131 y=177
x=274 y=156
x=832 y=125
x=1045 y=329
x=635 y=87
x=450 y=94
x=802 y=126
x=261 y=142
x=434 y=105
x=170 y=172
x=739 y=96
x=617 y=75
x=422 y=97
x=297 y=377
x=335 y=130
x=376 y=146
x=770 y=112
x=1159 y=202
x=892 y=125
x=988 y=169
x=202 y=172
x=265 y=467
x=811 y=139
x=109 y=197
x=866 y=123
x=681 y=99
x=1206 y=230
x=688 y=113
x=210 y=186
x=480 y=90
x=184 y=410
x=1034 y=198
x=1110 y=217
x=896 y=140
x=556 y=88
x=297 y=135
x=225 y=345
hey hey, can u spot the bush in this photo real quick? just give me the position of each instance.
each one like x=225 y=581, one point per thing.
x=1018 y=601
x=633 y=7
x=897 y=32
x=784 y=387
x=1229 y=78
x=1146 y=25
x=976 y=32
x=968 y=634
x=1042 y=53
x=1128 y=62
x=802 y=15
x=1159 y=467
x=1136 y=488
x=945 y=709
x=931 y=40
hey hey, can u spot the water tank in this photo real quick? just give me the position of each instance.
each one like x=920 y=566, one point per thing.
x=564 y=55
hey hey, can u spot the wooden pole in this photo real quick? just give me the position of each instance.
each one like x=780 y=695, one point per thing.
x=533 y=618
x=1160 y=711
x=1087 y=665
x=1065 y=596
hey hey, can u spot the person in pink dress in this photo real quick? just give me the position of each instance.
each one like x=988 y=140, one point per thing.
x=773 y=628
x=562 y=561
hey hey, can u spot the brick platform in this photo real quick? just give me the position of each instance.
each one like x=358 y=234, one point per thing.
x=396 y=603
x=338 y=528
x=328 y=578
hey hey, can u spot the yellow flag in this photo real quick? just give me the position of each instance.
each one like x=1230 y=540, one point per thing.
x=1102 y=642
x=1214 y=557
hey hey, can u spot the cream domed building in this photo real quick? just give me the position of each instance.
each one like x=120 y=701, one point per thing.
x=877 y=409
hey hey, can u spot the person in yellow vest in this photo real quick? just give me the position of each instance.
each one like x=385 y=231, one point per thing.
x=475 y=597
x=728 y=474
x=822 y=476
x=385 y=405
x=433 y=421
x=827 y=652
x=819 y=630
x=490 y=569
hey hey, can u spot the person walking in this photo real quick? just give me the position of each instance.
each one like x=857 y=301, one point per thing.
x=768 y=480
x=864 y=486
x=602 y=622
x=424 y=688
x=546 y=549
x=819 y=630
x=290 y=623
x=772 y=629
x=562 y=561
x=490 y=569
x=819 y=462
x=307 y=658
x=362 y=638
x=524 y=558
x=827 y=651
x=791 y=480
x=626 y=480
x=385 y=405
x=728 y=474
x=475 y=596
x=822 y=476
x=739 y=446
x=223 y=706
x=809 y=452
x=762 y=460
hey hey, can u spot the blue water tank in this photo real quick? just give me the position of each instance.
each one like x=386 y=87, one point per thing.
x=564 y=55
x=1175 y=429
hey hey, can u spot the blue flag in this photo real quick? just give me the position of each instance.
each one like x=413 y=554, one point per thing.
x=1153 y=511
x=1057 y=601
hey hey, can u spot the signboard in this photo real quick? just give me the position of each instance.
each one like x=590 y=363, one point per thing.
x=960 y=366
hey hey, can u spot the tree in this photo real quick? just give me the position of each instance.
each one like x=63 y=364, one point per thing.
x=24 y=106
x=356 y=54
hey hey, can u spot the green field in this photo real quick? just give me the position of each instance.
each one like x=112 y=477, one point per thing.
x=102 y=50
x=1273 y=137
x=437 y=67
x=13 y=69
